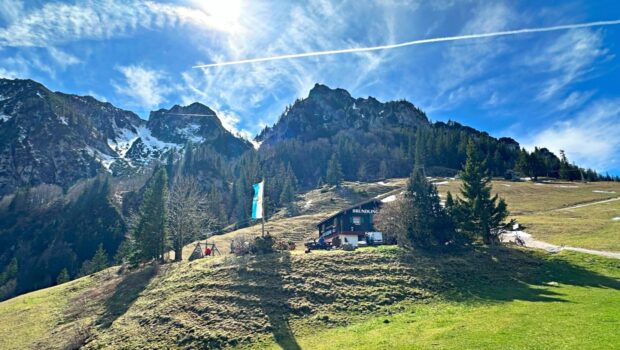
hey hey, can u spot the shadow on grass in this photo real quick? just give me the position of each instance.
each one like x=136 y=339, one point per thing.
x=266 y=277
x=125 y=293
x=503 y=274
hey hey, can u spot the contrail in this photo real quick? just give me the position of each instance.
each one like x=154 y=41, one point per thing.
x=195 y=115
x=412 y=43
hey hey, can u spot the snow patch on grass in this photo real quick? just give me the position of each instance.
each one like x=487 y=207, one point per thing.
x=389 y=199
x=603 y=191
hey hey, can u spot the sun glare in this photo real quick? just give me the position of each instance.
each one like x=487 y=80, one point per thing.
x=225 y=14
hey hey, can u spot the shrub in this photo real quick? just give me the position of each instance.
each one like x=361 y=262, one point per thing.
x=241 y=245
x=263 y=245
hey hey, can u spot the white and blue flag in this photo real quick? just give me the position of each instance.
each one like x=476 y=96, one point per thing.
x=257 y=201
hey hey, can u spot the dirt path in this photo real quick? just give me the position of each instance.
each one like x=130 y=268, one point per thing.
x=589 y=204
x=530 y=242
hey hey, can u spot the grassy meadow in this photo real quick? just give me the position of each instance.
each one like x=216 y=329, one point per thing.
x=372 y=298
x=546 y=211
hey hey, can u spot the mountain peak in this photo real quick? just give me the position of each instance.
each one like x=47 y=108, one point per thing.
x=320 y=90
x=327 y=111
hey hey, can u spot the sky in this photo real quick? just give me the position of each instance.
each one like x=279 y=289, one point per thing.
x=556 y=89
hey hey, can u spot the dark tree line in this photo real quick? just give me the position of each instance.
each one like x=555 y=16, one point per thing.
x=41 y=240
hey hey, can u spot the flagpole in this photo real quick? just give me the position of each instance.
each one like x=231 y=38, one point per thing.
x=263 y=216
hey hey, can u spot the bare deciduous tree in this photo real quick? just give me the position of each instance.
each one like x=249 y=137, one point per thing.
x=392 y=220
x=187 y=213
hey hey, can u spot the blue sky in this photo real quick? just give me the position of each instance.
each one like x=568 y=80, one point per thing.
x=556 y=89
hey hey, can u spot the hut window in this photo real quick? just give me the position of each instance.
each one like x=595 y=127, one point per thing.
x=357 y=220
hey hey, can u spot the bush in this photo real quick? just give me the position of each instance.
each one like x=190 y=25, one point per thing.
x=263 y=245
x=244 y=244
x=241 y=245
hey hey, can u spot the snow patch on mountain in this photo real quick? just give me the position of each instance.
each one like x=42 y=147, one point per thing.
x=5 y=118
x=123 y=141
x=153 y=142
x=190 y=131
x=255 y=144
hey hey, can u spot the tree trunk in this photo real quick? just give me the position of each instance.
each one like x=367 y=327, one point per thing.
x=178 y=253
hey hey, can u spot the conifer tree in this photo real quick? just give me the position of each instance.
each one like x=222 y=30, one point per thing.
x=477 y=213
x=564 y=166
x=99 y=260
x=334 y=172
x=383 y=170
x=429 y=224
x=287 y=195
x=63 y=276
x=150 y=233
x=420 y=144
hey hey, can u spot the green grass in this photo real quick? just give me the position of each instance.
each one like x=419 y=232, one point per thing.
x=580 y=317
x=527 y=197
x=544 y=210
x=475 y=299
x=591 y=227
x=30 y=319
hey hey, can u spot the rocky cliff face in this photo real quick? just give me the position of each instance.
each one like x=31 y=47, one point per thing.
x=197 y=124
x=326 y=111
x=56 y=138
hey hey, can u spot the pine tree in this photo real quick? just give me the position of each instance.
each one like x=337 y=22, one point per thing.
x=477 y=213
x=287 y=195
x=362 y=172
x=383 y=170
x=100 y=259
x=429 y=224
x=150 y=233
x=63 y=276
x=564 y=166
x=420 y=152
x=523 y=164
x=334 y=172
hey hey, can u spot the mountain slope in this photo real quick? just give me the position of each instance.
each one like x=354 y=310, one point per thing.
x=198 y=124
x=327 y=111
x=55 y=138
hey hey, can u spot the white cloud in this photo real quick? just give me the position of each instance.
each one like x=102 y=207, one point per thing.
x=10 y=10
x=568 y=59
x=466 y=67
x=56 y=23
x=575 y=100
x=8 y=74
x=142 y=86
x=590 y=139
x=63 y=59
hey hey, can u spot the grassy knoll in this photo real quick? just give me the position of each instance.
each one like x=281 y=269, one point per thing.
x=570 y=311
x=480 y=298
x=477 y=298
